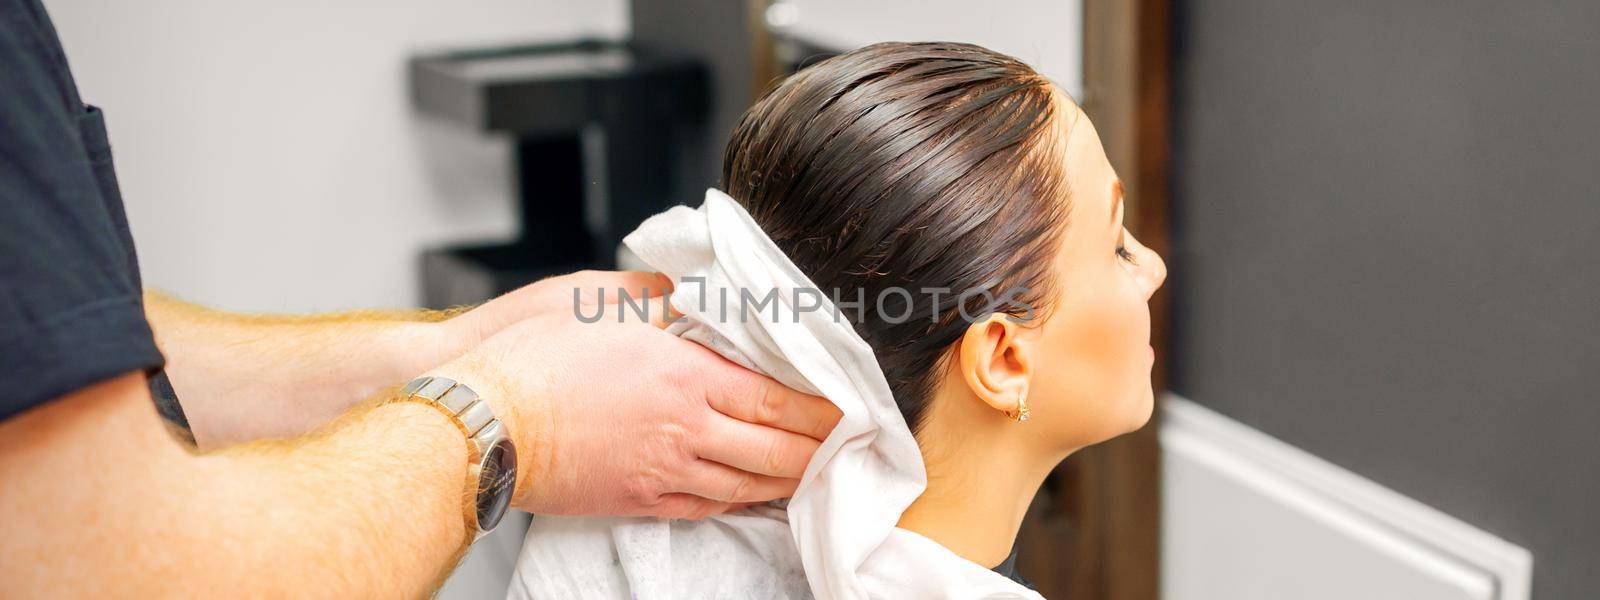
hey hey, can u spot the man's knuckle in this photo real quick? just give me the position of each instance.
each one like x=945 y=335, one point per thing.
x=771 y=406
x=773 y=459
x=738 y=394
x=647 y=487
x=682 y=463
x=635 y=493
x=741 y=486
x=678 y=440
x=670 y=432
x=822 y=423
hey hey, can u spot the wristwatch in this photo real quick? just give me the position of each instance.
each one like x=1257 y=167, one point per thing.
x=487 y=440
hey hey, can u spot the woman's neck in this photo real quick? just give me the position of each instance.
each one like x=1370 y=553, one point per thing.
x=977 y=496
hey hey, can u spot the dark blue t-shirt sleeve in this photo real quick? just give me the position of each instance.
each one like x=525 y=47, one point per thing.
x=71 y=307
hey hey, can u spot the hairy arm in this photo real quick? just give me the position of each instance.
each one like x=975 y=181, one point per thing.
x=246 y=377
x=99 y=499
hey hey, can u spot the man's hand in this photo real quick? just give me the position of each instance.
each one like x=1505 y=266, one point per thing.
x=626 y=419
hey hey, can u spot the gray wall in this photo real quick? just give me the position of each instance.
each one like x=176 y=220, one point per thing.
x=1387 y=218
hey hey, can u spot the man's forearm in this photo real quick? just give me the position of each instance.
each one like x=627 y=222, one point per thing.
x=99 y=499
x=245 y=377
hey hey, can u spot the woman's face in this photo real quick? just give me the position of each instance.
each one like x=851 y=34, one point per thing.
x=1091 y=375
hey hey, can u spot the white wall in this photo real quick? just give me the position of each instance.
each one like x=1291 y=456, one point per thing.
x=267 y=150
x=1046 y=34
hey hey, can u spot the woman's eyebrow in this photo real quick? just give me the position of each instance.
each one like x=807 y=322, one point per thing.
x=1116 y=198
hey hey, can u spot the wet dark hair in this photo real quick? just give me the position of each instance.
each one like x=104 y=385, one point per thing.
x=910 y=165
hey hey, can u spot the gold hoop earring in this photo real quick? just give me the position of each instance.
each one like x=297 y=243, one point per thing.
x=1021 y=413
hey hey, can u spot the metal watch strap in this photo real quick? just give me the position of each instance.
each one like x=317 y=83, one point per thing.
x=489 y=443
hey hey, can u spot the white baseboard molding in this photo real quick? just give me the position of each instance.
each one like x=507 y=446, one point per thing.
x=1249 y=516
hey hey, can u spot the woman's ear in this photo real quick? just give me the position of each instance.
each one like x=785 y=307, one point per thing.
x=996 y=362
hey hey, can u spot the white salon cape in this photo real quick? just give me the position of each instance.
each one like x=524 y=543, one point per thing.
x=837 y=537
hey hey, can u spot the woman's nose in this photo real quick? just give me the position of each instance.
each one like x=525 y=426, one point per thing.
x=1156 y=272
x=1152 y=271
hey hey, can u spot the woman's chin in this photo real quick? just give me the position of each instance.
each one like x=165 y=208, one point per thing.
x=1143 y=406
x=1132 y=414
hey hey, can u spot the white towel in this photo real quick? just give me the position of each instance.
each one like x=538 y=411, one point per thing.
x=839 y=530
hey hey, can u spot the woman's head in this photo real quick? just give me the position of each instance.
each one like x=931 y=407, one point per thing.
x=955 y=191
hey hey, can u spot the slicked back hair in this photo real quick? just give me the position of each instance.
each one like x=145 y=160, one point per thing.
x=911 y=165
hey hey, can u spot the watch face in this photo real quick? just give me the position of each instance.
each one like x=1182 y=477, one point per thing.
x=496 y=481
